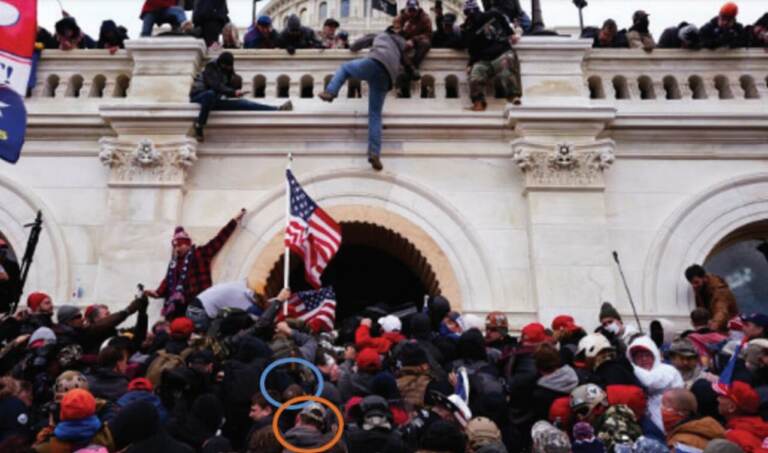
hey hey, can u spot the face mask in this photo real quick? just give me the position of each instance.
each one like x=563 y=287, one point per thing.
x=670 y=418
x=613 y=328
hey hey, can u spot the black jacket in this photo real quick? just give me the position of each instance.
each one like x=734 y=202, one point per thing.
x=593 y=33
x=443 y=40
x=107 y=384
x=304 y=38
x=213 y=77
x=486 y=36
x=375 y=441
x=712 y=36
x=210 y=10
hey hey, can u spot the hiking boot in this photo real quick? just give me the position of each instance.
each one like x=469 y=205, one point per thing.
x=326 y=96
x=375 y=161
x=478 y=106
x=515 y=100
x=199 y=133
x=287 y=107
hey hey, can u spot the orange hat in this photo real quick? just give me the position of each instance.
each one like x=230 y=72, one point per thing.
x=77 y=404
x=368 y=359
x=35 y=299
x=741 y=393
x=730 y=9
x=140 y=384
x=182 y=326
x=535 y=333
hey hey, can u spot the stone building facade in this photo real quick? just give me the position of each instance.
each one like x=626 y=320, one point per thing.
x=658 y=156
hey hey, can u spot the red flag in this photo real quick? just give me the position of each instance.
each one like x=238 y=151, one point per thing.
x=18 y=29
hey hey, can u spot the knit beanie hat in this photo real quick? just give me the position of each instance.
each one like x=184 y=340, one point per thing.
x=134 y=422
x=548 y=439
x=77 y=404
x=385 y=385
x=35 y=299
x=443 y=436
x=180 y=236
x=41 y=337
x=730 y=9
x=67 y=313
x=608 y=311
x=412 y=354
x=69 y=380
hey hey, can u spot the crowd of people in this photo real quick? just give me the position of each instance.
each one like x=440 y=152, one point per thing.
x=722 y=31
x=431 y=381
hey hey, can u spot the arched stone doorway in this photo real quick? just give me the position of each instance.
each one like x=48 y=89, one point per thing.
x=741 y=258
x=374 y=266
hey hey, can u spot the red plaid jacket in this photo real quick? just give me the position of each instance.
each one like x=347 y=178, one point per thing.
x=199 y=275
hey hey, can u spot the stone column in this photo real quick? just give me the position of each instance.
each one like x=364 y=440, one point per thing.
x=563 y=161
x=147 y=157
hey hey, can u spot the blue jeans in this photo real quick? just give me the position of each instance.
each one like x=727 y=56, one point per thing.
x=209 y=101
x=174 y=15
x=377 y=77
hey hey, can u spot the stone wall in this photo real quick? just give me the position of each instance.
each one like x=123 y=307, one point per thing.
x=519 y=208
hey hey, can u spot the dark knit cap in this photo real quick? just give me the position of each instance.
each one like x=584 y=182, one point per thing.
x=443 y=436
x=134 y=423
x=608 y=311
x=412 y=354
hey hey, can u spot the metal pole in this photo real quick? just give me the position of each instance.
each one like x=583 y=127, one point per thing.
x=626 y=287
x=287 y=251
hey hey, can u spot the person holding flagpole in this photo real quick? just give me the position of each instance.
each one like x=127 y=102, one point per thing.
x=380 y=69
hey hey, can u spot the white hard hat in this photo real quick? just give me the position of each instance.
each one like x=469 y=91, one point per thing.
x=592 y=344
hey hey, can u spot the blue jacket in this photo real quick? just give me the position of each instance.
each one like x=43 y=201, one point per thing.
x=143 y=395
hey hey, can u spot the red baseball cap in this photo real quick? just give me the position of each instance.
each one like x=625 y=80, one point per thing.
x=730 y=9
x=368 y=359
x=182 y=326
x=140 y=384
x=535 y=333
x=741 y=393
x=564 y=322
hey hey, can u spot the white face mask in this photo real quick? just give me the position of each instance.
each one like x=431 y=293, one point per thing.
x=613 y=328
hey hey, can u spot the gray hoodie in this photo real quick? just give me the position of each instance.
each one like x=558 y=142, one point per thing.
x=563 y=380
x=386 y=48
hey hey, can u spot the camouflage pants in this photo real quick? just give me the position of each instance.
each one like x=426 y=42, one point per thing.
x=506 y=67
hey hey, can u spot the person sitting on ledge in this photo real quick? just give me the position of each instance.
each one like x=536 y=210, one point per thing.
x=607 y=36
x=214 y=89
x=490 y=56
x=158 y=12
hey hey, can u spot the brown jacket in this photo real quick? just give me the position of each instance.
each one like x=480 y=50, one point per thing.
x=418 y=28
x=412 y=383
x=696 y=433
x=716 y=296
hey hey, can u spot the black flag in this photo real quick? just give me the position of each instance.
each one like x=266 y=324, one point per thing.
x=385 y=6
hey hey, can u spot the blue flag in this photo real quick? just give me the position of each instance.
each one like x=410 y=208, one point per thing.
x=13 y=124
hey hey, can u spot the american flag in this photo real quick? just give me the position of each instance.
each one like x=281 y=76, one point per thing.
x=317 y=308
x=310 y=232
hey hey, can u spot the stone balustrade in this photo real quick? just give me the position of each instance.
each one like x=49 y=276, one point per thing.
x=84 y=74
x=553 y=67
x=668 y=75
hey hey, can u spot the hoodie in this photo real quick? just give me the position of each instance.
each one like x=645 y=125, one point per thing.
x=555 y=385
x=658 y=379
x=382 y=344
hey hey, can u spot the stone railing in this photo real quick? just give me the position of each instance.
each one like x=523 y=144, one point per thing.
x=558 y=69
x=668 y=75
x=83 y=74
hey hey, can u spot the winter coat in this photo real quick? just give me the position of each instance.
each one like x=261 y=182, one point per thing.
x=374 y=441
x=107 y=384
x=555 y=385
x=715 y=295
x=303 y=39
x=142 y=395
x=695 y=433
x=748 y=433
x=210 y=11
x=154 y=5
x=485 y=36
x=443 y=40
x=670 y=39
x=386 y=48
x=261 y=438
x=640 y=39
x=254 y=39
x=412 y=383
x=418 y=28
x=712 y=37
x=355 y=384
x=161 y=442
x=593 y=33
x=382 y=344
x=616 y=371
x=213 y=77
x=55 y=444
x=657 y=380
x=305 y=437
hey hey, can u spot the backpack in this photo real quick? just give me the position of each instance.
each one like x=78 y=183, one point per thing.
x=163 y=361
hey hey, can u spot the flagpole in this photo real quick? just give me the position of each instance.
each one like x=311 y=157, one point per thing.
x=287 y=252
